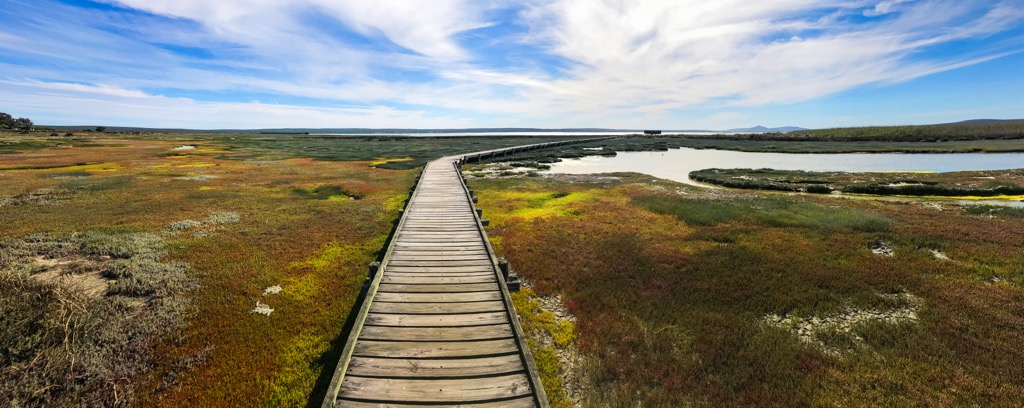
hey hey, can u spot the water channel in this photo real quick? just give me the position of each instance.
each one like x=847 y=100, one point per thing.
x=676 y=164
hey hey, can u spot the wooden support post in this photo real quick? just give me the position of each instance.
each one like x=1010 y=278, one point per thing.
x=479 y=212
x=511 y=280
x=513 y=284
x=475 y=200
x=373 y=268
x=485 y=222
x=503 y=265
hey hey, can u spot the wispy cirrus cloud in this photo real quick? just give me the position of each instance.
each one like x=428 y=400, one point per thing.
x=884 y=7
x=481 y=63
x=742 y=53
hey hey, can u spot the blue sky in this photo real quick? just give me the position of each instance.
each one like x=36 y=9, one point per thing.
x=683 y=64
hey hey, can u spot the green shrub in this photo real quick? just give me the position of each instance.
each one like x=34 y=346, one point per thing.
x=768 y=211
x=1017 y=212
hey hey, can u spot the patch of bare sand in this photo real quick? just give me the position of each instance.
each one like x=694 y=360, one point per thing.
x=79 y=272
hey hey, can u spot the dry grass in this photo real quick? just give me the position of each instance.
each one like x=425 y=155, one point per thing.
x=78 y=313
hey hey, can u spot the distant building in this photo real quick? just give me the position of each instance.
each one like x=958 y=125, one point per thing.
x=652 y=132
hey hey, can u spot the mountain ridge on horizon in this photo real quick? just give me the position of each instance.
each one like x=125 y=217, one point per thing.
x=391 y=131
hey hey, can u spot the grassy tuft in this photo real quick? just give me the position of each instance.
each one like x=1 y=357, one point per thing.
x=776 y=212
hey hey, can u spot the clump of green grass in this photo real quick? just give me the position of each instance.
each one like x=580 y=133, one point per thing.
x=776 y=212
x=99 y=184
x=64 y=345
x=995 y=210
x=328 y=192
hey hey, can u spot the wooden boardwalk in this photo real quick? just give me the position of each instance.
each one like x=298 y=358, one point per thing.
x=437 y=327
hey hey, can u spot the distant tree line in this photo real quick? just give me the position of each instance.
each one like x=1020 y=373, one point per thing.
x=9 y=122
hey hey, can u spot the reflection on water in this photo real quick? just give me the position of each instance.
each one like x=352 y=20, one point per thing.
x=677 y=164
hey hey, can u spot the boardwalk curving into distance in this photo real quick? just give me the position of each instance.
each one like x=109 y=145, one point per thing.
x=437 y=326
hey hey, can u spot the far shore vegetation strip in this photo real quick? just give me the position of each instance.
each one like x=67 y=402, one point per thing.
x=139 y=260
x=968 y=184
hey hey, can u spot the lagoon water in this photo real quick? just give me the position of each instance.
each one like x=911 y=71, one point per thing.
x=676 y=164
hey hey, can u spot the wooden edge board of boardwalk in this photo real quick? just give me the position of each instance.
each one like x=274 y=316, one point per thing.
x=437 y=326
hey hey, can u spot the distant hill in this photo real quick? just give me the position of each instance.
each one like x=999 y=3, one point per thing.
x=983 y=121
x=978 y=129
x=762 y=129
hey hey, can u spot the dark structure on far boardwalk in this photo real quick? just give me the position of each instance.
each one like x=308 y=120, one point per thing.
x=652 y=132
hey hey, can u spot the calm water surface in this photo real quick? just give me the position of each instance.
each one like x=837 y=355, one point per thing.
x=676 y=164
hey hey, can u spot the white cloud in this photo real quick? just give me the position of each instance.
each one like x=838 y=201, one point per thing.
x=885 y=7
x=68 y=104
x=426 y=28
x=619 y=62
x=107 y=90
x=732 y=52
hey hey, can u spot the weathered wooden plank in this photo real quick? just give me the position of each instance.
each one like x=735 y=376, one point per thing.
x=435 y=224
x=431 y=349
x=424 y=257
x=468 y=333
x=462 y=287
x=463 y=227
x=439 y=251
x=442 y=235
x=436 y=251
x=437 y=308
x=433 y=269
x=463 y=213
x=439 y=274
x=440 y=262
x=407 y=245
x=436 y=320
x=436 y=391
x=447 y=280
x=521 y=402
x=452 y=241
x=464 y=217
x=437 y=297
x=419 y=368
x=441 y=229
